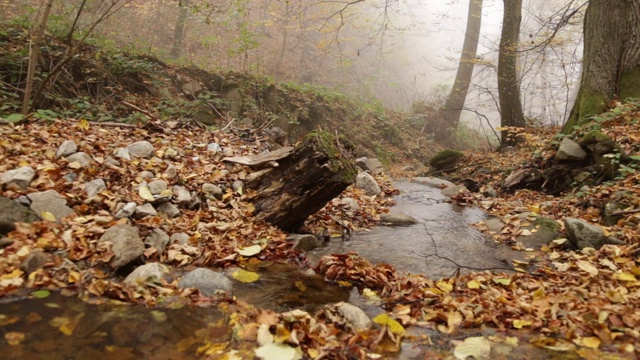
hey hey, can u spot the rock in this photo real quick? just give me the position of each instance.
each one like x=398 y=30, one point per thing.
x=158 y=239
x=125 y=244
x=146 y=273
x=169 y=209
x=367 y=183
x=81 y=158
x=70 y=177
x=126 y=211
x=141 y=149
x=50 y=202
x=5 y=241
x=157 y=186
x=19 y=178
x=494 y=225
x=214 y=191
x=610 y=210
x=373 y=166
x=352 y=315
x=570 y=150
x=352 y=204
x=111 y=161
x=547 y=231
x=304 y=242
x=195 y=201
x=170 y=172
x=67 y=148
x=238 y=187
x=34 y=261
x=179 y=238
x=207 y=281
x=452 y=191
x=171 y=153
x=11 y=212
x=432 y=181
x=94 y=187
x=594 y=137
x=214 y=147
x=397 y=219
x=181 y=195
x=145 y=210
x=122 y=153
x=582 y=234
x=445 y=159
x=488 y=191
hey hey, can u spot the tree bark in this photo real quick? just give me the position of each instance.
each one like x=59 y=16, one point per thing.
x=450 y=113
x=508 y=82
x=178 y=34
x=317 y=171
x=611 y=60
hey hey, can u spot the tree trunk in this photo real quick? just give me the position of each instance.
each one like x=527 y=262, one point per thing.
x=450 y=114
x=611 y=60
x=38 y=37
x=178 y=34
x=317 y=171
x=508 y=82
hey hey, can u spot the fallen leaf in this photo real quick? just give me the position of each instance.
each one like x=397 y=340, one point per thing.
x=394 y=326
x=275 y=351
x=249 y=250
x=474 y=284
x=14 y=338
x=519 y=324
x=587 y=267
x=475 y=347
x=245 y=276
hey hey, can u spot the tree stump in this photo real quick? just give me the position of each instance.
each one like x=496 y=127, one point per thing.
x=315 y=172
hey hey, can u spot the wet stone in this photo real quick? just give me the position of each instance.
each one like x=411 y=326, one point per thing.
x=125 y=244
x=207 y=281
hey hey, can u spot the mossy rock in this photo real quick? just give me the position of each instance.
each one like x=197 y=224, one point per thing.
x=595 y=137
x=547 y=224
x=445 y=159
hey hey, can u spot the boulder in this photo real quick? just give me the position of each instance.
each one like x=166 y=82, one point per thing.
x=11 y=212
x=304 y=242
x=94 y=187
x=19 y=178
x=367 y=183
x=208 y=282
x=445 y=159
x=141 y=149
x=158 y=239
x=125 y=244
x=50 y=202
x=373 y=165
x=582 y=234
x=352 y=315
x=397 y=219
x=81 y=158
x=146 y=273
x=570 y=150
x=67 y=148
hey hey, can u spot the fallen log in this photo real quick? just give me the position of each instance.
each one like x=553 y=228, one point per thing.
x=315 y=172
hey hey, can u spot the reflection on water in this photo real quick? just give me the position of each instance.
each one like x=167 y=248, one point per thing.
x=444 y=224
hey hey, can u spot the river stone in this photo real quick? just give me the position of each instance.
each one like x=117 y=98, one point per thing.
x=34 y=261
x=5 y=241
x=94 y=187
x=158 y=239
x=181 y=195
x=207 y=281
x=127 y=210
x=213 y=190
x=367 y=183
x=354 y=317
x=122 y=153
x=11 y=212
x=67 y=148
x=50 y=201
x=157 y=186
x=445 y=159
x=125 y=244
x=352 y=204
x=146 y=273
x=19 y=178
x=170 y=172
x=373 y=165
x=145 y=210
x=169 y=209
x=304 y=242
x=570 y=150
x=582 y=234
x=397 y=219
x=141 y=149
x=452 y=191
x=238 y=187
x=432 y=181
x=81 y=158
x=179 y=238
x=494 y=225
x=214 y=147
x=111 y=161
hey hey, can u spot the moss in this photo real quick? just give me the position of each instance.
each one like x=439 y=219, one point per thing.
x=591 y=102
x=595 y=137
x=630 y=84
x=445 y=159
x=547 y=224
x=337 y=162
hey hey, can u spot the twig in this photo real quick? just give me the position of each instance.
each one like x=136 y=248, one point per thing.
x=625 y=212
x=140 y=110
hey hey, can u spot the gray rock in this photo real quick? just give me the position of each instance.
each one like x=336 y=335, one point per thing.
x=373 y=165
x=367 y=183
x=171 y=153
x=352 y=204
x=144 y=211
x=488 y=191
x=146 y=175
x=353 y=316
x=146 y=273
x=494 y=224
x=81 y=158
x=570 y=150
x=304 y=242
x=122 y=153
x=125 y=244
x=70 y=177
x=50 y=201
x=34 y=261
x=170 y=172
x=181 y=195
x=158 y=239
x=19 y=178
x=543 y=231
x=141 y=149
x=214 y=147
x=111 y=161
x=94 y=187
x=582 y=234
x=157 y=186
x=66 y=148
x=214 y=191
x=453 y=190
x=169 y=209
x=5 y=241
x=397 y=219
x=12 y=212
x=179 y=238
x=207 y=281
x=195 y=201
x=432 y=181
x=238 y=187
x=127 y=210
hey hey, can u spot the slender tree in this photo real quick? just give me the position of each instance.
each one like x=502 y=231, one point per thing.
x=611 y=60
x=178 y=34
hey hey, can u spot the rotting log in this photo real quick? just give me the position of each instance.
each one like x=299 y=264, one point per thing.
x=317 y=170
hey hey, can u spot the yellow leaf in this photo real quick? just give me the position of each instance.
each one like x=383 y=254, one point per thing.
x=474 y=284
x=12 y=275
x=591 y=342
x=84 y=124
x=14 y=338
x=475 y=347
x=249 y=250
x=519 y=324
x=538 y=293
x=394 y=326
x=344 y=283
x=273 y=351
x=622 y=276
x=245 y=276
x=502 y=281
x=444 y=286
x=300 y=286
x=45 y=215
x=587 y=267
